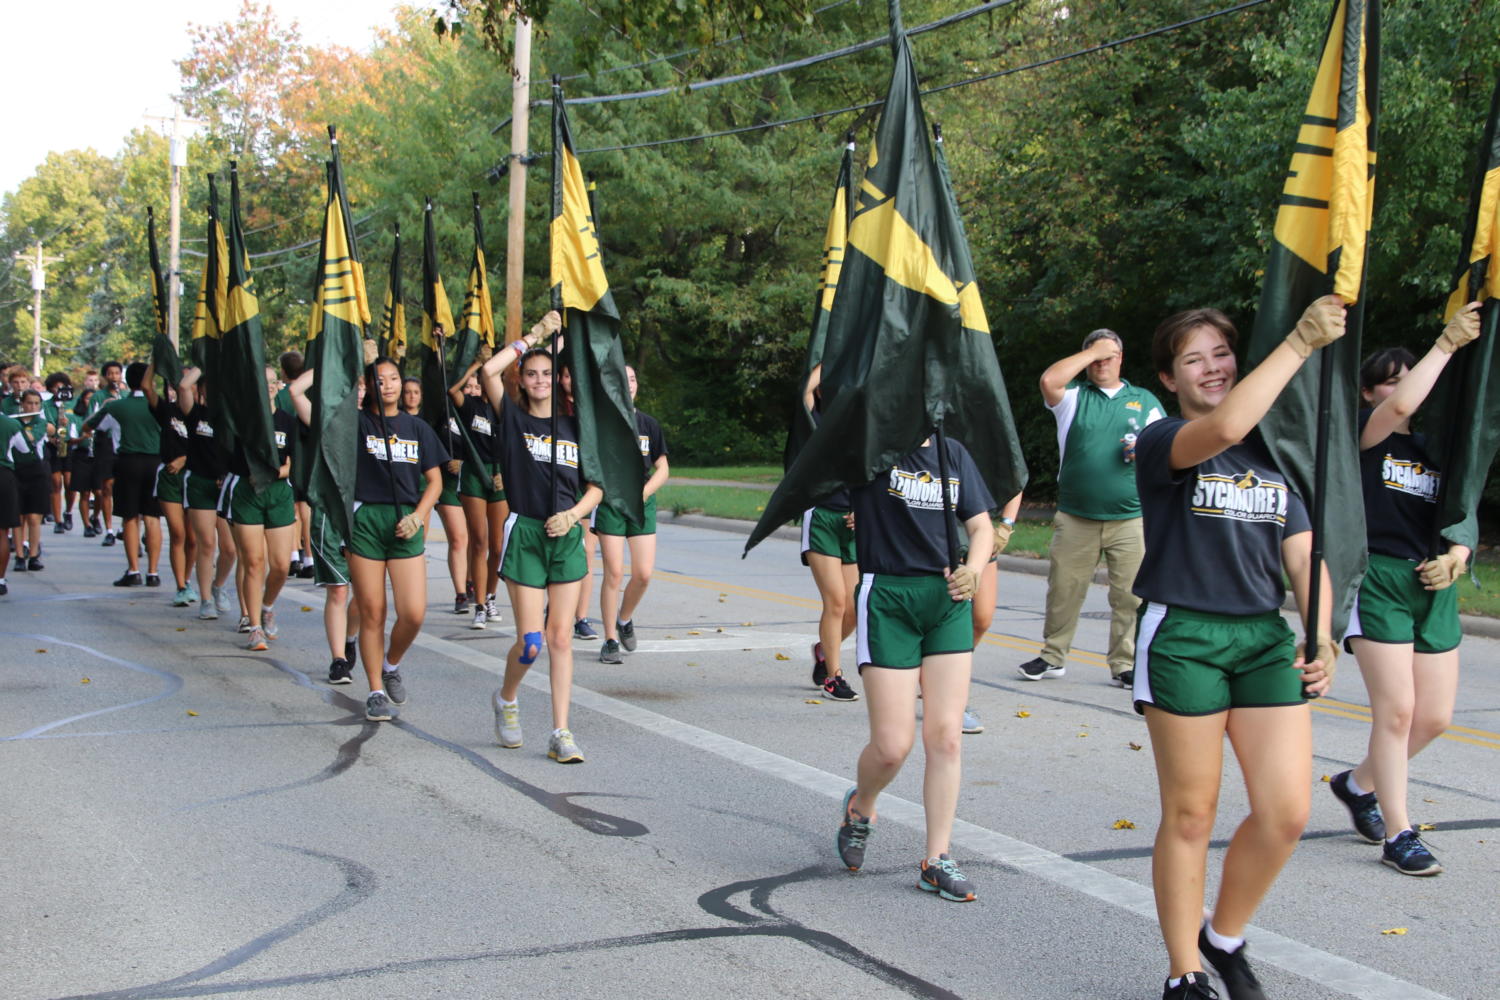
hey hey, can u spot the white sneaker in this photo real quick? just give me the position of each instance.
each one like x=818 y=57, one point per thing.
x=480 y=617
x=507 y=723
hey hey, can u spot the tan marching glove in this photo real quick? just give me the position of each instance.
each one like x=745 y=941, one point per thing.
x=411 y=523
x=1462 y=329
x=1441 y=571
x=1002 y=536
x=961 y=583
x=485 y=353
x=1328 y=652
x=560 y=524
x=1321 y=324
x=372 y=351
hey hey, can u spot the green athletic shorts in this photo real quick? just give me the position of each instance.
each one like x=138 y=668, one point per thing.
x=272 y=507
x=826 y=532
x=330 y=568
x=449 y=496
x=610 y=522
x=1200 y=663
x=374 y=534
x=901 y=619
x=1393 y=607
x=478 y=481
x=200 y=492
x=168 y=485
x=534 y=560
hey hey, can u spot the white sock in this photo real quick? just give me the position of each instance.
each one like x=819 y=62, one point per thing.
x=557 y=732
x=1354 y=786
x=1220 y=941
x=504 y=703
x=380 y=691
x=1174 y=982
x=390 y=667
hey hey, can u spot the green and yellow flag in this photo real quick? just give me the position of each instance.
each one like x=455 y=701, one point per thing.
x=1464 y=422
x=340 y=315
x=1320 y=246
x=164 y=357
x=476 y=325
x=435 y=313
x=211 y=294
x=803 y=421
x=240 y=385
x=609 y=450
x=908 y=346
x=393 y=313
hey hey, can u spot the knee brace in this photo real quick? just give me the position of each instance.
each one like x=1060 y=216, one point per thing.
x=531 y=647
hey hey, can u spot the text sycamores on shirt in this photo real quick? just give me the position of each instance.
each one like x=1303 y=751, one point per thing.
x=402 y=450
x=540 y=446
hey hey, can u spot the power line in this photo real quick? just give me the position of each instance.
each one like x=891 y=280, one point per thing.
x=281 y=250
x=934 y=90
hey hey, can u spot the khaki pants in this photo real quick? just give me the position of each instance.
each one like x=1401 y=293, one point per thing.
x=1077 y=544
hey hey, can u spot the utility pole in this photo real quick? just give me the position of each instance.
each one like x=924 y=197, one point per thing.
x=177 y=159
x=38 y=263
x=515 y=247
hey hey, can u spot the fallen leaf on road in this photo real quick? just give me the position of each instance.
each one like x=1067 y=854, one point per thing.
x=782 y=656
x=718 y=630
x=813 y=701
x=1123 y=824
x=1424 y=827
x=84 y=681
x=1133 y=746
x=1327 y=778
x=305 y=608
x=693 y=631
x=182 y=628
x=192 y=713
x=1430 y=801
x=1398 y=931
x=747 y=624
x=1083 y=736
x=721 y=600
x=1023 y=715
x=41 y=651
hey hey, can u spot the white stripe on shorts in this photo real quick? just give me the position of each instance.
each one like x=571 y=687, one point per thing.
x=156 y=482
x=807 y=518
x=510 y=521
x=224 y=492
x=321 y=544
x=1354 y=630
x=861 y=626
x=1151 y=620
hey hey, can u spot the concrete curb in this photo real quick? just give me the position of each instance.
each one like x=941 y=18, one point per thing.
x=1477 y=625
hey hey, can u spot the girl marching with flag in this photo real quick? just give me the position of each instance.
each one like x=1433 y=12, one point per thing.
x=481 y=490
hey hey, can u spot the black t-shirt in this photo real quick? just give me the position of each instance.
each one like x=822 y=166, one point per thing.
x=416 y=449
x=285 y=426
x=1401 y=490
x=1213 y=532
x=898 y=516
x=174 y=430
x=203 y=456
x=653 y=442
x=526 y=456
x=478 y=418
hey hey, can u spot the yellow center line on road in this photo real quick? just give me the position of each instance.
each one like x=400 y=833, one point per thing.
x=1326 y=706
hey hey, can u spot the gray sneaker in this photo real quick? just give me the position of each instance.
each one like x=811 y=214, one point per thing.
x=256 y=641
x=943 y=877
x=627 y=636
x=480 y=617
x=378 y=708
x=394 y=686
x=853 y=832
x=221 y=599
x=610 y=652
x=972 y=725
x=491 y=610
x=207 y=611
x=507 y=723
x=268 y=624
x=562 y=749
x=244 y=624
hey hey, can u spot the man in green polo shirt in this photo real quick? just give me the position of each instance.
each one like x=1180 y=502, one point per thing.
x=136 y=433
x=1098 y=510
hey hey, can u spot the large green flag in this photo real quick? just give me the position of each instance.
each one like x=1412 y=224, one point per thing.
x=1320 y=239
x=476 y=324
x=393 y=313
x=610 y=454
x=435 y=313
x=210 y=307
x=1464 y=426
x=908 y=346
x=164 y=355
x=340 y=314
x=834 y=237
x=240 y=384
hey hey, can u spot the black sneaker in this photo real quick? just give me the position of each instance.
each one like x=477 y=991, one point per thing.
x=853 y=832
x=835 y=688
x=129 y=580
x=627 y=636
x=1125 y=679
x=109 y=538
x=1409 y=856
x=58 y=529
x=4 y=589
x=306 y=570
x=583 y=630
x=339 y=671
x=1364 y=810
x=351 y=651
x=1194 y=986
x=20 y=564
x=460 y=605
x=33 y=564
x=820 y=665
x=610 y=652
x=88 y=530
x=1232 y=968
x=68 y=521
x=152 y=580
x=1035 y=670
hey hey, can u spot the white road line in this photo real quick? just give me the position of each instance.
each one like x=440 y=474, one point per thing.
x=1303 y=960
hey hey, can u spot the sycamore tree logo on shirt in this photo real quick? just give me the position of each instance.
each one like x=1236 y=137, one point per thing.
x=920 y=490
x=1412 y=478
x=400 y=449
x=540 y=446
x=1244 y=497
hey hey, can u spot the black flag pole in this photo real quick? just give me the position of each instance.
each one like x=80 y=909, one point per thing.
x=1319 y=509
x=949 y=535
x=557 y=298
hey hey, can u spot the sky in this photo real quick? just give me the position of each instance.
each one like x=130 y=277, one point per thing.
x=84 y=73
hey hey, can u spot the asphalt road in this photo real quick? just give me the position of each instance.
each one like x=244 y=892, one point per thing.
x=185 y=818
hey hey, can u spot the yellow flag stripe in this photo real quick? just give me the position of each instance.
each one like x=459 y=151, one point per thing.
x=1486 y=245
